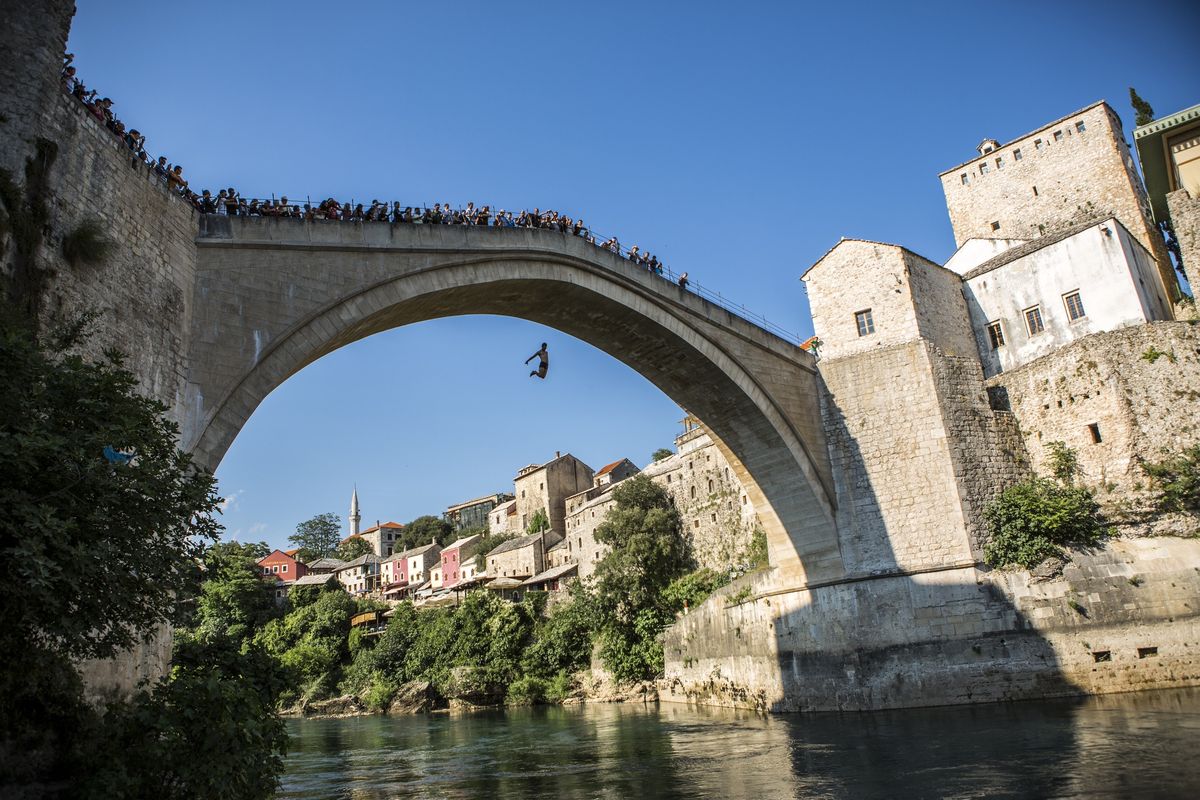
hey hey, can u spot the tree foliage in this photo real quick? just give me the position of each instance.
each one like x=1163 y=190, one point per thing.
x=207 y=732
x=646 y=553
x=661 y=453
x=423 y=530
x=94 y=553
x=1063 y=462
x=1176 y=482
x=234 y=599
x=353 y=547
x=538 y=522
x=317 y=537
x=1144 y=112
x=1031 y=521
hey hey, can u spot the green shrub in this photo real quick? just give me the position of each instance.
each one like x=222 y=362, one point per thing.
x=1176 y=482
x=560 y=687
x=1031 y=521
x=379 y=693
x=526 y=691
x=692 y=589
x=1063 y=462
x=87 y=244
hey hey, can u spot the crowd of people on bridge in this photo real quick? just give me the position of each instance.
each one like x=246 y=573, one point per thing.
x=229 y=202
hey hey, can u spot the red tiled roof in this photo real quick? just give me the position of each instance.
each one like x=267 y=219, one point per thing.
x=291 y=552
x=607 y=468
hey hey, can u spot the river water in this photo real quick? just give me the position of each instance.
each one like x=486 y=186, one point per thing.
x=1143 y=745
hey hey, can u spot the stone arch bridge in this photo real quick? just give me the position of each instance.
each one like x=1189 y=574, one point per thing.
x=274 y=295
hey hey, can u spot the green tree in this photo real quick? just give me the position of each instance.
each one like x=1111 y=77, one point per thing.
x=1063 y=462
x=538 y=522
x=95 y=553
x=207 y=732
x=1145 y=114
x=647 y=552
x=1176 y=482
x=488 y=543
x=423 y=530
x=353 y=547
x=1032 y=520
x=234 y=600
x=661 y=453
x=317 y=537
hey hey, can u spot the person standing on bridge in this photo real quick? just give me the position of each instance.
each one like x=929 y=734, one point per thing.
x=543 y=362
x=683 y=281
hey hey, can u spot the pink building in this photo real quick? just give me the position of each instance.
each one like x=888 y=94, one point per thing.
x=454 y=556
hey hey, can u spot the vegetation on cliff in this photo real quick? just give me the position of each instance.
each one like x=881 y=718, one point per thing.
x=104 y=520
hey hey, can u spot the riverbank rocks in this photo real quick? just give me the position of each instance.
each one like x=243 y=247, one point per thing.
x=467 y=687
x=345 y=706
x=598 y=686
x=415 y=697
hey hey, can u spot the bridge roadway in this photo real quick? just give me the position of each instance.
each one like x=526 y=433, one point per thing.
x=275 y=294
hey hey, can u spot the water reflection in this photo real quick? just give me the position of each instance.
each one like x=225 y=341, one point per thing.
x=1115 y=746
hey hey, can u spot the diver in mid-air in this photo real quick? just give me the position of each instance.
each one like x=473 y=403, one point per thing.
x=543 y=363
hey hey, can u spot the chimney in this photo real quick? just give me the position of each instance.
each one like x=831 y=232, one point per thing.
x=557 y=454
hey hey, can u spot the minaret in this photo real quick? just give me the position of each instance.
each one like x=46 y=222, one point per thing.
x=355 y=517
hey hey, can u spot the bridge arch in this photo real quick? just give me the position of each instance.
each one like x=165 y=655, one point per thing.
x=274 y=295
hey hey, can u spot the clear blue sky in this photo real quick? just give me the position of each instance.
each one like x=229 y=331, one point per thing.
x=737 y=141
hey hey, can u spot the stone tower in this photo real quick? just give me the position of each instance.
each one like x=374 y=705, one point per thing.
x=1069 y=171
x=355 y=516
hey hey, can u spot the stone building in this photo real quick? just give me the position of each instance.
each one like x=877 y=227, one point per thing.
x=1075 y=168
x=522 y=557
x=1038 y=296
x=717 y=517
x=360 y=576
x=917 y=451
x=382 y=537
x=473 y=514
x=545 y=487
x=1169 y=151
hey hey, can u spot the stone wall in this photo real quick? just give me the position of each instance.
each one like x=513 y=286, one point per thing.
x=1121 y=618
x=717 y=515
x=1139 y=387
x=1080 y=174
x=143 y=289
x=1184 y=211
x=897 y=497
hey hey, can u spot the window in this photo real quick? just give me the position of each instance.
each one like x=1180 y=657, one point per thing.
x=1033 y=320
x=1017 y=154
x=1058 y=136
x=1035 y=194
x=1074 y=306
x=1079 y=126
x=1037 y=144
x=996 y=226
x=965 y=178
x=710 y=484
x=696 y=524
x=1094 y=430
x=668 y=478
x=693 y=493
x=985 y=168
x=714 y=516
x=284 y=568
x=999 y=163
x=866 y=324
x=995 y=334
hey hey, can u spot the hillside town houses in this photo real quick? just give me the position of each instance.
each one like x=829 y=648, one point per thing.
x=566 y=499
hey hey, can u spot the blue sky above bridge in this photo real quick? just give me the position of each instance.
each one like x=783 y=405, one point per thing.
x=738 y=143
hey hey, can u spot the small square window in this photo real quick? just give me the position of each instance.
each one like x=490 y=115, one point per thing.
x=864 y=321
x=1058 y=136
x=1074 y=306
x=965 y=178
x=1079 y=126
x=999 y=163
x=1033 y=320
x=1017 y=154
x=1037 y=144
x=996 y=226
x=984 y=168
x=995 y=335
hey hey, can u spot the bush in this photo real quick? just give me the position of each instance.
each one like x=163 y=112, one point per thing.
x=560 y=687
x=87 y=244
x=1064 y=463
x=1177 y=482
x=1031 y=521
x=693 y=589
x=526 y=691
